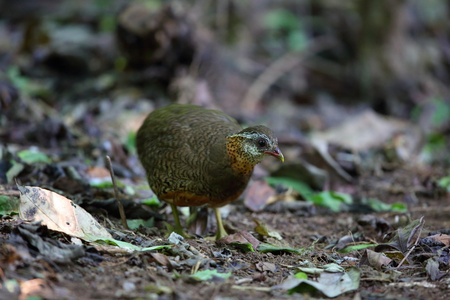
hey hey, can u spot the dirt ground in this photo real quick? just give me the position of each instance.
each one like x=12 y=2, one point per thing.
x=104 y=275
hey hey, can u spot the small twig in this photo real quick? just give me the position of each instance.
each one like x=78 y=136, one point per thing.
x=355 y=243
x=123 y=218
x=196 y=267
x=415 y=243
x=252 y=288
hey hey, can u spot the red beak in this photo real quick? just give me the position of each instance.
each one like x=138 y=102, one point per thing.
x=277 y=153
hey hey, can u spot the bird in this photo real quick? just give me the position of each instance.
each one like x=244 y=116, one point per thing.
x=194 y=156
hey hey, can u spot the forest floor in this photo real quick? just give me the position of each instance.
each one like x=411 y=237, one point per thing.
x=107 y=273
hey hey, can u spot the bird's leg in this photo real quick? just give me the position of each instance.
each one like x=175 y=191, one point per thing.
x=177 y=228
x=220 y=230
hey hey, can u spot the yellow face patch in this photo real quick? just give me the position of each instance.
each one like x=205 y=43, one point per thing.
x=242 y=160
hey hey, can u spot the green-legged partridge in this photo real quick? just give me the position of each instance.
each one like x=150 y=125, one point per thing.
x=195 y=156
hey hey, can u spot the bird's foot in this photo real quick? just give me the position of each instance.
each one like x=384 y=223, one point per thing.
x=218 y=236
x=221 y=233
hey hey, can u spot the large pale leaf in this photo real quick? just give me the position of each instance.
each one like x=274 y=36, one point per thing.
x=58 y=213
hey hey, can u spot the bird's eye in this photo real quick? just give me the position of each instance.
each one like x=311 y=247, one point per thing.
x=262 y=143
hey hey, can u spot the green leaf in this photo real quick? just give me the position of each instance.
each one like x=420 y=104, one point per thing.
x=301 y=275
x=135 y=223
x=14 y=171
x=105 y=183
x=25 y=85
x=11 y=286
x=209 y=275
x=246 y=247
x=156 y=247
x=356 y=247
x=153 y=201
x=129 y=190
x=281 y=19
x=130 y=143
x=444 y=183
x=439 y=116
x=8 y=205
x=436 y=144
x=332 y=200
x=107 y=23
x=33 y=156
x=441 y=113
x=114 y=242
x=17 y=80
x=302 y=188
x=398 y=207
x=297 y=40
x=34 y=298
x=264 y=248
x=379 y=206
x=120 y=63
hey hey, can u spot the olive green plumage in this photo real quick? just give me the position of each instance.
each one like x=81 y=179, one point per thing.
x=195 y=156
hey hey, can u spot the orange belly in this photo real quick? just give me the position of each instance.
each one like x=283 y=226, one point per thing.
x=184 y=198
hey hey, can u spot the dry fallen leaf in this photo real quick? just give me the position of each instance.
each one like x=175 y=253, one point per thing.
x=58 y=213
x=258 y=194
x=265 y=230
x=371 y=130
x=240 y=237
x=433 y=271
x=265 y=266
x=36 y=287
x=98 y=172
x=162 y=260
x=375 y=259
x=442 y=238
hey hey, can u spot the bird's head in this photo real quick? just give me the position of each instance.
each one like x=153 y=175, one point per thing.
x=252 y=144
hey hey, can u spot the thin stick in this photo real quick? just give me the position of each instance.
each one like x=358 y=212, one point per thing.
x=123 y=218
x=415 y=243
